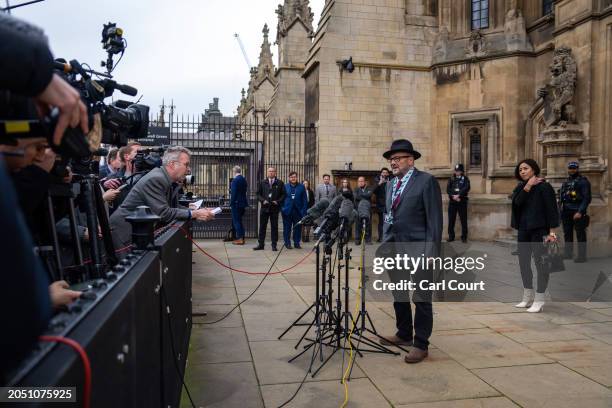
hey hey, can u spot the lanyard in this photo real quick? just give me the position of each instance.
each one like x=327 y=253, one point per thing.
x=397 y=192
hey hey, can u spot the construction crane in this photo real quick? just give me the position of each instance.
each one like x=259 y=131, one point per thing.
x=243 y=51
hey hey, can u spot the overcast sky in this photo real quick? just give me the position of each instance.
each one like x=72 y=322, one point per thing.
x=183 y=49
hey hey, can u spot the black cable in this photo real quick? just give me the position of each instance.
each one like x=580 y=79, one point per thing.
x=254 y=290
x=174 y=357
x=298 y=389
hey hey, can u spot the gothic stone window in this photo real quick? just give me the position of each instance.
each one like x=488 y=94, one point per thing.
x=547 y=7
x=480 y=14
x=475 y=151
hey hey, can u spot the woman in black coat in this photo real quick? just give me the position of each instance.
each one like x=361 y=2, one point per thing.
x=534 y=214
x=311 y=200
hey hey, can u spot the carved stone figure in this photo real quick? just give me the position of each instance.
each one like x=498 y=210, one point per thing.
x=514 y=29
x=441 y=44
x=558 y=94
x=477 y=46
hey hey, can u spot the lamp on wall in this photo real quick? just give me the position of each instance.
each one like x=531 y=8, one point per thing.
x=347 y=65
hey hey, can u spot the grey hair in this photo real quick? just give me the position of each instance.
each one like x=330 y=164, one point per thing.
x=173 y=153
x=237 y=169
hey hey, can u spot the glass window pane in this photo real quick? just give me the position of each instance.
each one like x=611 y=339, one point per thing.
x=484 y=13
x=475 y=25
x=476 y=6
x=484 y=23
x=475 y=16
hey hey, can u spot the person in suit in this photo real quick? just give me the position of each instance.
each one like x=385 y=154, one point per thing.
x=362 y=192
x=113 y=164
x=414 y=217
x=325 y=189
x=310 y=200
x=238 y=203
x=271 y=194
x=380 y=191
x=457 y=189
x=534 y=214
x=154 y=190
x=294 y=208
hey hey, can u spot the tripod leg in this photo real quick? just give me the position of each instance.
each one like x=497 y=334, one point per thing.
x=107 y=237
x=295 y=322
x=324 y=362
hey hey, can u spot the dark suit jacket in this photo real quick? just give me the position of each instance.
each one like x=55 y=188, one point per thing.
x=153 y=190
x=418 y=217
x=238 y=192
x=311 y=198
x=299 y=202
x=359 y=195
x=274 y=193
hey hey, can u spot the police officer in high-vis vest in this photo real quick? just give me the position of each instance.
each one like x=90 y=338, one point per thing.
x=574 y=199
x=457 y=189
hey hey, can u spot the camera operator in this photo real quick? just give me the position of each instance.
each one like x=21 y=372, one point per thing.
x=26 y=68
x=113 y=195
x=154 y=190
x=113 y=164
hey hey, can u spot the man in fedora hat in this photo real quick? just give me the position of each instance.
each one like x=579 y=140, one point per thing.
x=413 y=223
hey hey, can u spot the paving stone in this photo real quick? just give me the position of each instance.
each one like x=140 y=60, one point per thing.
x=590 y=358
x=448 y=320
x=269 y=286
x=527 y=327
x=216 y=312
x=226 y=385
x=593 y=305
x=598 y=331
x=546 y=385
x=265 y=303
x=569 y=313
x=211 y=344
x=362 y=394
x=215 y=296
x=437 y=378
x=491 y=402
x=272 y=366
x=477 y=348
x=476 y=308
x=268 y=326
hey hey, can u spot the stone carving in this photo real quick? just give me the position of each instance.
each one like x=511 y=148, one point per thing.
x=558 y=94
x=477 y=45
x=441 y=44
x=291 y=10
x=514 y=30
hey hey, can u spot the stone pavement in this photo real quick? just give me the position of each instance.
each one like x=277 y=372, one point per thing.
x=483 y=354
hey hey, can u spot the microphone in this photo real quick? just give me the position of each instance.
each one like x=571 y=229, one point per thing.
x=363 y=210
x=314 y=212
x=347 y=210
x=330 y=216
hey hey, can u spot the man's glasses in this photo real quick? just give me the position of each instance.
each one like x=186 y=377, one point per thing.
x=397 y=159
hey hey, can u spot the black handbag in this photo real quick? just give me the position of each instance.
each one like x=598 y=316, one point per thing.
x=552 y=259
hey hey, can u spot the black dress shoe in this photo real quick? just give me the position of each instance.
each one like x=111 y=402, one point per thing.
x=288 y=246
x=464 y=240
x=450 y=240
x=274 y=248
x=258 y=248
x=580 y=260
x=297 y=246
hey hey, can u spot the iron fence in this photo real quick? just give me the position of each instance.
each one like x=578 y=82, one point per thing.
x=220 y=143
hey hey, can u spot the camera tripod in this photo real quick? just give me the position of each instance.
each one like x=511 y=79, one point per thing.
x=85 y=186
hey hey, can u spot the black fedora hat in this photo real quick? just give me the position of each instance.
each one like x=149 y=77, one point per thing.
x=401 y=145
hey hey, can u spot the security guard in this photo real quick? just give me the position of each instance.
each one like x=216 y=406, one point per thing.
x=574 y=198
x=458 y=188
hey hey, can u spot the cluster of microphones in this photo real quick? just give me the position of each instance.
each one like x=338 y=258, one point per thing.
x=338 y=215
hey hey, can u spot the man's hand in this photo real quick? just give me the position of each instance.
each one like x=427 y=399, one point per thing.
x=203 y=214
x=112 y=184
x=46 y=160
x=266 y=202
x=577 y=216
x=61 y=295
x=111 y=195
x=72 y=110
x=552 y=237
